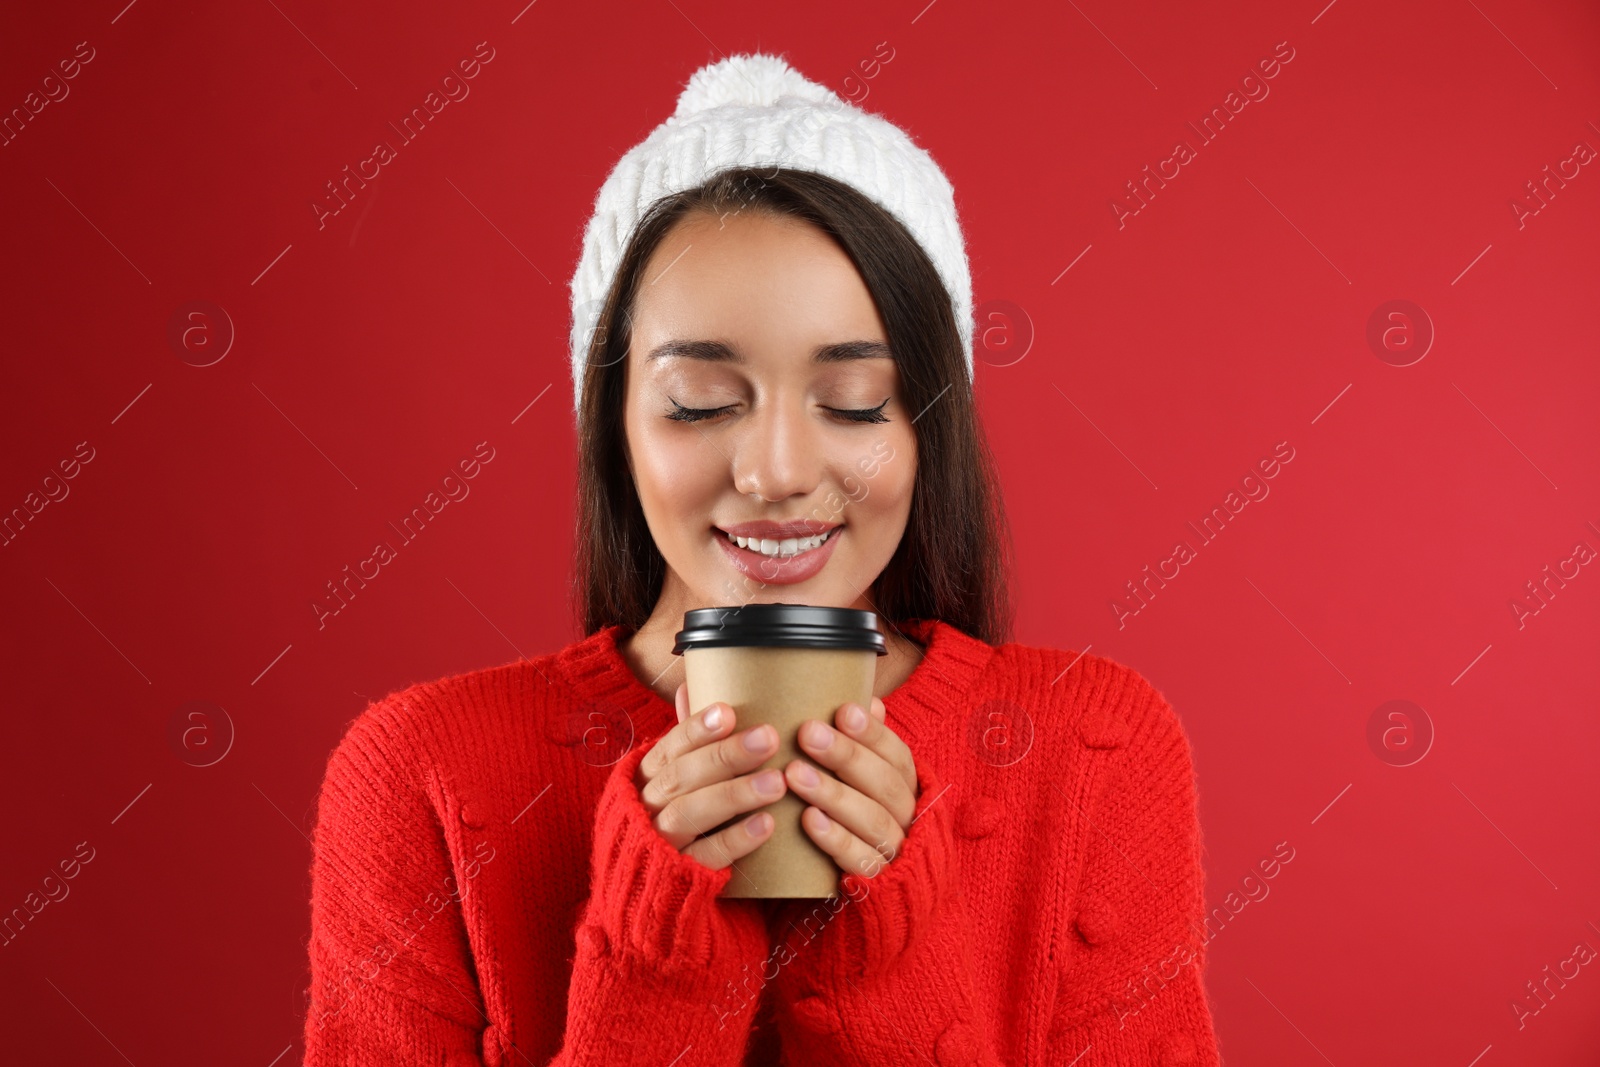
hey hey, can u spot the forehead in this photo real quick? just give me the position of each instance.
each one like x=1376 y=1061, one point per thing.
x=760 y=281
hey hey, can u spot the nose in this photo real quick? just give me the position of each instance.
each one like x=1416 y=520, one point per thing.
x=777 y=455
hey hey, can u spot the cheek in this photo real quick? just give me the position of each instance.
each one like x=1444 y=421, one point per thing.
x=673 y=473
x=882 y=474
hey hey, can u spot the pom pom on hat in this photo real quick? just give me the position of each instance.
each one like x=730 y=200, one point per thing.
x=754 y=110
x=748 y=81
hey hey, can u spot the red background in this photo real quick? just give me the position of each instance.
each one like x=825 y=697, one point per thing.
x=1228 y=315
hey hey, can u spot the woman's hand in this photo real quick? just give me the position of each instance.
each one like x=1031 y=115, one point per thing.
x=860 y=813
x=697 y=777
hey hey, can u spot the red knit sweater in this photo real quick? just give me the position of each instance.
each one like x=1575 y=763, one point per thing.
x=487 y=887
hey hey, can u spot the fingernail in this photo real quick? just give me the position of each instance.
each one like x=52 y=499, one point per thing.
x=758 y=740
x=854 y=717
x=756 y=825
x=823 y=821
x=713 y=719
x=769 y=783
x=805 y=775
x=821 y=736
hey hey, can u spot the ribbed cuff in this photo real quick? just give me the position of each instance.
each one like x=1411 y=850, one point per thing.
x=652 y=902
x=875 y=922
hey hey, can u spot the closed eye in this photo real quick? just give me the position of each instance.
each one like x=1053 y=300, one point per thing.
x=683 y=414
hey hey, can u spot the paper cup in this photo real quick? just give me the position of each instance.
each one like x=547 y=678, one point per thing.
x=781 y=664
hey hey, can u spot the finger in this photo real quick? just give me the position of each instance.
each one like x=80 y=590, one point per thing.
x=879 y=711
x=708 y=724
x=852 y=855
x=709 y=764
x=702 y=811
x=732 y=844
x=855 y=763
x=865 y=818
x=876 y=735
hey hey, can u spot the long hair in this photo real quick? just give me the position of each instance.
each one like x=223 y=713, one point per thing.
x=953 y=560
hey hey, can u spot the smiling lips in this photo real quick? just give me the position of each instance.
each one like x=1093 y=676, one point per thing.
x=780 y=553
x=777 y=531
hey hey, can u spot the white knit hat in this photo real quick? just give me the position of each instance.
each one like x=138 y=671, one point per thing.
x=754 y=110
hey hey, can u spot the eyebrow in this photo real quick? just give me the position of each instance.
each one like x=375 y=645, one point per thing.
x=720 y=352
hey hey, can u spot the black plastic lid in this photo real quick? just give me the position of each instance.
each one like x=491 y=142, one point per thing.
x=781 y=626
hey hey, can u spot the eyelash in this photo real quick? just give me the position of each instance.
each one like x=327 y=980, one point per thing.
x=864 y=415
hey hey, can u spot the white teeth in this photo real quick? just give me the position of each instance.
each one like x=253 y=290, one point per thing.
x=790 y=546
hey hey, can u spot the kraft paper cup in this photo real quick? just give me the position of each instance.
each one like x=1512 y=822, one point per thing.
x=781 y=664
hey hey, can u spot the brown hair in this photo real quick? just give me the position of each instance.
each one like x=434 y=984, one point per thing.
x=952 y=561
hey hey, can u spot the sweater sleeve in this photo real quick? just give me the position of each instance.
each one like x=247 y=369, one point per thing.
x=858 y=971
x=1132 y=991
x=658 y=953
x=392 y=977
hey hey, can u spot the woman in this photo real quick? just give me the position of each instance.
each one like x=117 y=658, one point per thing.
x=522 y=865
